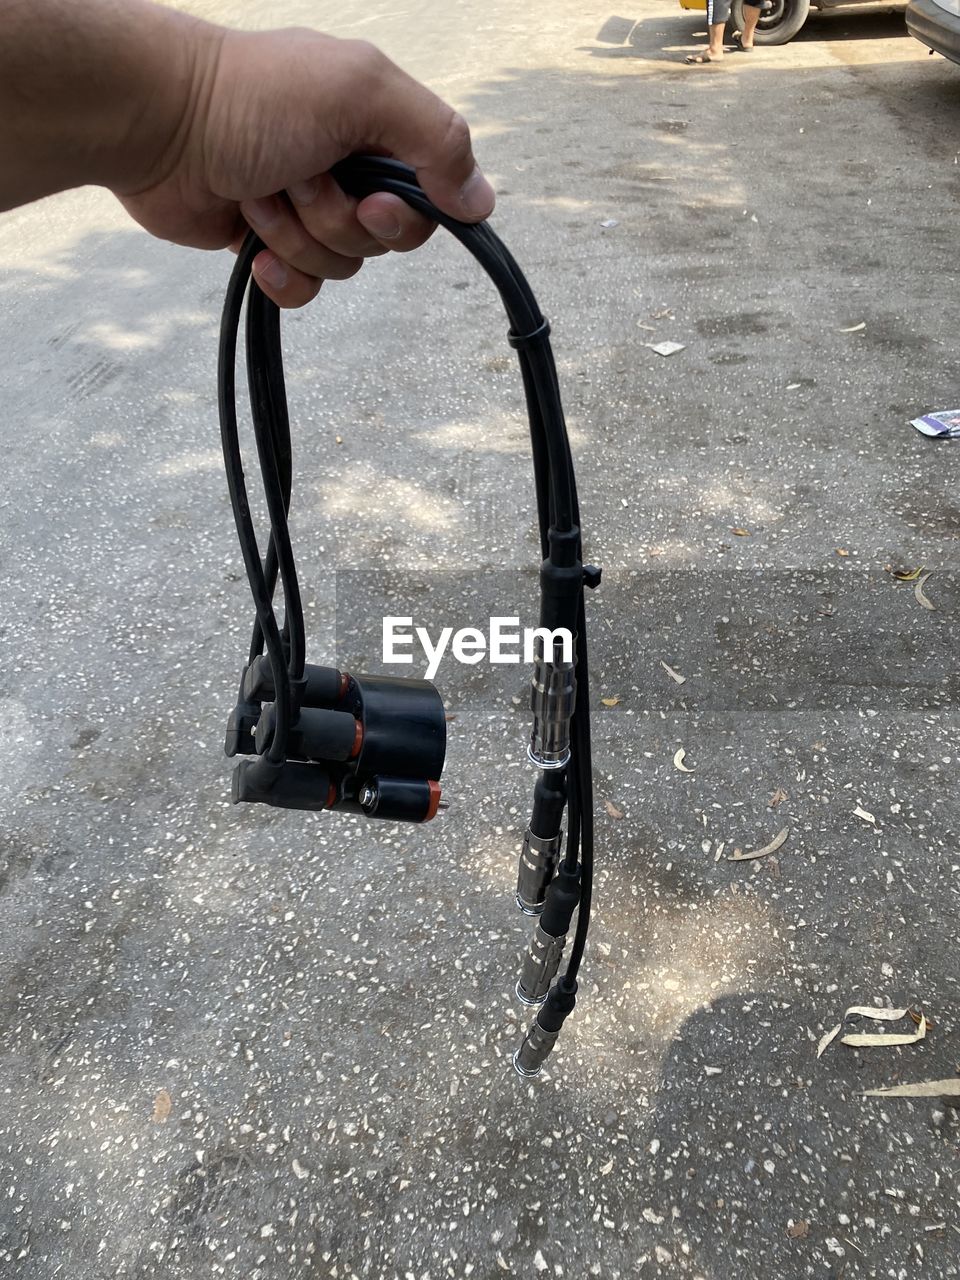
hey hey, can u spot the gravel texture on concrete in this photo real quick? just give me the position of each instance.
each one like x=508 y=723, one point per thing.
x=269 y=1044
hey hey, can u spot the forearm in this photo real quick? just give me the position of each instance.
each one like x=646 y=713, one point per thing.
x=94 y=91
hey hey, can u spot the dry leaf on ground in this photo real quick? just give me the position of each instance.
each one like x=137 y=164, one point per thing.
x=797 y=1230
x=867 y=1040
x=778 y=797
x=949 y=1088
x=610 y=702
x=612 y=809
x=772 y=847
x=907 y=575
x=922 y=598
x=678 y=761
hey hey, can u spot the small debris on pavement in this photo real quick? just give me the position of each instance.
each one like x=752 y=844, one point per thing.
x=666 y=348
x=674 y=675
x=949 y=1088
x=854 y=328
x=610 y=702
x=942 y=425
x=741 y=533
x=777 y=798
x=612 y=809
x=907 y=575
x=739 y=856
x=915 y=1018
x=161 y=1106
x=678 y=761
x=607 y=223
x=871 y=1039
x=862 y=813
x=922 y=598
x=797 y=1230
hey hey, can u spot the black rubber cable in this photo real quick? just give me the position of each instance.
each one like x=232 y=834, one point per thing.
x=265 y=368
x=582 y=765
x=233 y=463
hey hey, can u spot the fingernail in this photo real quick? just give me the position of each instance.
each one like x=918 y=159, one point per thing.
x=477 y=195
x=382 y=225
x=273 y=272
x=262 y=213
x=303 y=192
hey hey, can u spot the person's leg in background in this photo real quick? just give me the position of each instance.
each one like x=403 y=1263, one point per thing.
x=718 y=11
x=744 y=39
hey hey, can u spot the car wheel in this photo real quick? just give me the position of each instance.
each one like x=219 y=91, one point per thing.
x=780 y=20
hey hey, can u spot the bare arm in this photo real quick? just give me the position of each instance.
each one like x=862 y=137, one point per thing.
x=93 y=92
x=201 y=131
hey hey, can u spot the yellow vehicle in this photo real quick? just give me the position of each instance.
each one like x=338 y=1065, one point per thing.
x=780 y=20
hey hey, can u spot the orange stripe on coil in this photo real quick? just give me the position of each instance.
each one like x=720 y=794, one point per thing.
x=434 y=804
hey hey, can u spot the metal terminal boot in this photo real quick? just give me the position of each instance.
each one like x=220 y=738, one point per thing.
x=540 y=966
x=553 y=696
x=538 y=864
x=542 y=960
x=534 y=1048
x=545 y=1028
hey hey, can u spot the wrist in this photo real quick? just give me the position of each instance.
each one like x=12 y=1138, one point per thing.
x=100 y=92
x=168 y=93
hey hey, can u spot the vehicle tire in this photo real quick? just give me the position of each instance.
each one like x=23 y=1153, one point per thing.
x=780 y=20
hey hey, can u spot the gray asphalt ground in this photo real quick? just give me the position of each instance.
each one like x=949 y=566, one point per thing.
x=269 y=1045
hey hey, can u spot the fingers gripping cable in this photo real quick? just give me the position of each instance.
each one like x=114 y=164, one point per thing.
x=317 y=738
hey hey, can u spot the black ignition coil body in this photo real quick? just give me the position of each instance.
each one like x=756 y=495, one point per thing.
x=317 y=738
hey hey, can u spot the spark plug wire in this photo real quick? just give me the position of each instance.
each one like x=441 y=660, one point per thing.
x=325 y=739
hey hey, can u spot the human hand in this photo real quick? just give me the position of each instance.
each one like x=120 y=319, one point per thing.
x=267 y=115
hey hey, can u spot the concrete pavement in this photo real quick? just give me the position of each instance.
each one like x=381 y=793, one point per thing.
x=273 y=1045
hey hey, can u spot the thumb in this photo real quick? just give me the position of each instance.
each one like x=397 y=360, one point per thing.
x=413 y=125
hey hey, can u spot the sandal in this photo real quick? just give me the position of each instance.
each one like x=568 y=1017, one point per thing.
x=737 y=41
x=698 y=59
